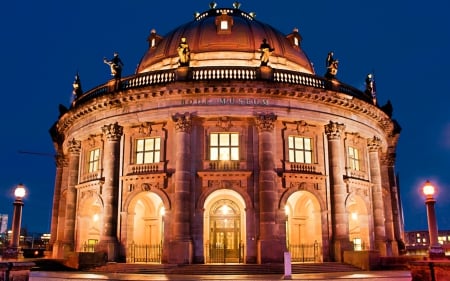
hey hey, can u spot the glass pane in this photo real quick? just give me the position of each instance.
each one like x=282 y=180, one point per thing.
x=139 y=145
x=157 y=158
x=139 y=158
x=149 y=144
x=235 y=139
x=214 y=154
x=299 y=143
x=224 y=153
x=299 y=156
x=350 y=151
x=291 y=156
x=308 y=157
x=235 y=153
x=291 y=142
x=148 y=157
x=307 y=144
x=157 y=144
x=224 y=139
x=214 y=140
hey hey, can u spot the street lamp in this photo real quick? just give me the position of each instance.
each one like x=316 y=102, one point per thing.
x=19 y=193
x=435 y=250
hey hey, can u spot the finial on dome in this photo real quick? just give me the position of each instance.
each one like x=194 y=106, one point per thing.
x=213 y=5
x=236 y=5
x=295 y=30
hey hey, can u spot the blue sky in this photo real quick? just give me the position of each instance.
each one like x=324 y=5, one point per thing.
x=44 y=44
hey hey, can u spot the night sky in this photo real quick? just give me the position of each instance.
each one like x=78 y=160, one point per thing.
x=406 y=44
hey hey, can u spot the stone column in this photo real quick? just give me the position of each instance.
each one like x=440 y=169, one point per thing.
x=71 y=197
x=339 y=216
x=270 y=248
x=110 y=190
x=393 y=214
x=373 y=146
x=60 y=164
x=181 y=250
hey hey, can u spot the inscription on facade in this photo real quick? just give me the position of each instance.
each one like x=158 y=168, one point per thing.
x=225 y=101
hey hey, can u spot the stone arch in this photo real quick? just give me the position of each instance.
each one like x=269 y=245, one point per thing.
x=358 y=222
x=89 y=221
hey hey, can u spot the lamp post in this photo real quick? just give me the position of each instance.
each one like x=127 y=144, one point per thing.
x=19 y=193
x=435 y=250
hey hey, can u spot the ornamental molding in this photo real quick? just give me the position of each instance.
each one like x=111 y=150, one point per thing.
x=334 y=130
x=265 y=121
x=74 y=146
x=373 y=144
x=183 y=122
x=113 y=132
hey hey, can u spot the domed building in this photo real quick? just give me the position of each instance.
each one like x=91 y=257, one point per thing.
x=225 y=146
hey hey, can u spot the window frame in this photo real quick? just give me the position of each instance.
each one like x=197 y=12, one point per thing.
x=232 y=146
x=153 y=151
x=303 y=151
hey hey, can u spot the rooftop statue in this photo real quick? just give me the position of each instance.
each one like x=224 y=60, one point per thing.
x=77 y=91
x=332 y=66
x=184 y=53
x=115 y=64
x=370 y=87
x=266 y=51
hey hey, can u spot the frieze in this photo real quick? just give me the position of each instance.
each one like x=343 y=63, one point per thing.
x=227 y=184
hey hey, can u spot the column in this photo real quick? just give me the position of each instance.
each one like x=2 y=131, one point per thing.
x=181 y=251
x=270 y=248
x=373 y=146
x=338 y=191
x=60 y=164
x=110 y=190
x=71 y=197
x=394 y=220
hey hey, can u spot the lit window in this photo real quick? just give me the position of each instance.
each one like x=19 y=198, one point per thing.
x=94 y=160
x=353 y=158
x=224 y=25
x=300 y=150
x=418 y=234
x=148 y=150
x=224 y=146
x=418 y=240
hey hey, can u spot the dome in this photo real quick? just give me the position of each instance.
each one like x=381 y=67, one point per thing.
x=225 y=37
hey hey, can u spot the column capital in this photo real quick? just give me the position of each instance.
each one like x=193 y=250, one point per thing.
x=388 y=159
x=373 y=144
x=61 y=160
x=74 y=146
x=334 y=130
x=265 y=121
x=113 y=132
x=183 y=122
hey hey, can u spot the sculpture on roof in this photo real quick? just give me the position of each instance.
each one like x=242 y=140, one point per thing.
x=184 y=53
x=370 y=87
x=115 y=64
x=77 y=91
x=266 y=51
x=332 y=66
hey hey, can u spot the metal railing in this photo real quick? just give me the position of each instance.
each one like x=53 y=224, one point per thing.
x=147 y=253
x=219 y=253
x=305 y=252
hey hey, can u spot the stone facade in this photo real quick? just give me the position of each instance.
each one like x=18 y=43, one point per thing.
x=225 y=163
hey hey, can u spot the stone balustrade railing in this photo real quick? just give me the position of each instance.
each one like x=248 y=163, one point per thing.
x=220 y=73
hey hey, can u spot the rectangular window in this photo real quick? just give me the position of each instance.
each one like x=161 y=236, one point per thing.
x=148 y=150
x=354 y=159
x=224 y=146
x=224 y=25
x=300 y=149
x=94 y=160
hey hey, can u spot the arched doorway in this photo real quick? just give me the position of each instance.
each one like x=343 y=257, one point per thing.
x=358 y=223
x=145 y=228
x=304 y=227
x=90 y=220
x=224 y=227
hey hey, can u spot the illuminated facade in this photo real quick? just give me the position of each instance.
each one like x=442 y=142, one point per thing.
x=222 y=149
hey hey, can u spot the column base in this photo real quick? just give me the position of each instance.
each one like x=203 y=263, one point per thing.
x=271 y=251
x=110 y=246
x=181 y=252
x=339 y=247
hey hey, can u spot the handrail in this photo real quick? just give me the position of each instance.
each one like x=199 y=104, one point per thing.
x=219 y=73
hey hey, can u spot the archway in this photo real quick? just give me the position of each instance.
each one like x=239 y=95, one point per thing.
x=358 y=223
x=224 y=227
x=304 y=227
x=90 y=220
x=145 y=228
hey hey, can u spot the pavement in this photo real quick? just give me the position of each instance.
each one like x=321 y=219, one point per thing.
x=341 y=276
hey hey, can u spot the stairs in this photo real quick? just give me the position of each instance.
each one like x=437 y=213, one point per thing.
x=229 y=269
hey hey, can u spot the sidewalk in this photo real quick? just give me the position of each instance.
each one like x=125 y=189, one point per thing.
x=341 y=276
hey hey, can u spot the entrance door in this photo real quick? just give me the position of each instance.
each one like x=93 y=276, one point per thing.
x=225 y=246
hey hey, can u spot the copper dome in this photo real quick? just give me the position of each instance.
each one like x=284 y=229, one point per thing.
x=225 y=37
